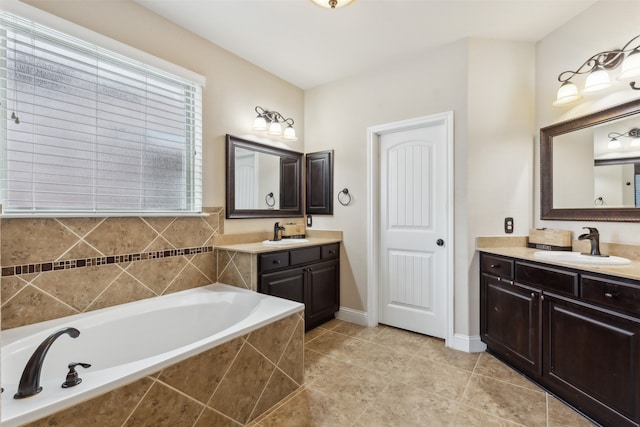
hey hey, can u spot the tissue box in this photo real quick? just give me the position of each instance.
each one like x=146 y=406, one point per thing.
x=293 y=230
x=550 y=240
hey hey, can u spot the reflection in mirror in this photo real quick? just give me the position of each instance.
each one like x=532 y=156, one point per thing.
x=262 y=181
x=589 y=166
x=607 y=162
x=257 y=184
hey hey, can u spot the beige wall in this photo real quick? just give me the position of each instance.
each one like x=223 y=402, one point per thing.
x=606 y=25
x=489 y=87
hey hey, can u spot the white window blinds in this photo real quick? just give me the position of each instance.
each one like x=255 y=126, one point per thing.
x=86 y=130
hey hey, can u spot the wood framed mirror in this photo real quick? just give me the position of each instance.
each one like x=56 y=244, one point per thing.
x=262 y=181
x=573 y=183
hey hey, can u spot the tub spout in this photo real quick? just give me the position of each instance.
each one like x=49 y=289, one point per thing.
x=30 y=380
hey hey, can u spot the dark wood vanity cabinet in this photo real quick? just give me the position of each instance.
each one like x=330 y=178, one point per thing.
x=573 y=332
x=511 y=321
x=309 y=275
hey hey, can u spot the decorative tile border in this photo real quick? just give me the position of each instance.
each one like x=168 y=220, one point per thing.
x=89 y=262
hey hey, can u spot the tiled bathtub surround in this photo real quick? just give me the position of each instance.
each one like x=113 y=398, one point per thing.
x=105 y=262
x=229 y=385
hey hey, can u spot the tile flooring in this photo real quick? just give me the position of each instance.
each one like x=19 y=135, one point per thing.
x=382 y=376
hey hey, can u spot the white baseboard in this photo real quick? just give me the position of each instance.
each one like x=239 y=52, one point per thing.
x=467 y=343
x=354 y=316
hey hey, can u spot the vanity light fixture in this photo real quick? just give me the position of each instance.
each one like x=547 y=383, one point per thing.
x=633 y=133
x=271 y=122
x=332 y=4
x=597 y=67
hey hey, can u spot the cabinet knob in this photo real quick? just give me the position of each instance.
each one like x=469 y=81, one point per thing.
x=610 y=295
x=541 y=297
x=276 y=261
x=495 y=266
x=533 y=294
x=332 y=252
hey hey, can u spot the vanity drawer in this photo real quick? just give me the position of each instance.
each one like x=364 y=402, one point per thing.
x=273 y=261
x=610 y=293
x=301 y=256
x=549 y=279
x=331 y=251
x=496 y=265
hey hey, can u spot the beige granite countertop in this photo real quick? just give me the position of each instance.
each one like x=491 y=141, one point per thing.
x=629 y=271
x=252 y=243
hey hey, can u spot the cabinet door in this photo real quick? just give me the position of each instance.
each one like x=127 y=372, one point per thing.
x=323 y=292
x=510 y=322
x=287 y=284
x=591 y=359
x=319 y=183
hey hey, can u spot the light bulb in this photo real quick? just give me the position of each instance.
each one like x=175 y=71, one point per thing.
x=275 y=128
x=290 y=134
x=597 y=80
x=260 y=123
x=614 y=144
x=567 y=93
x=630 y=66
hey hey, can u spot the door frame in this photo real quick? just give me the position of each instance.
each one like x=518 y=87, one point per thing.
x=373 y=214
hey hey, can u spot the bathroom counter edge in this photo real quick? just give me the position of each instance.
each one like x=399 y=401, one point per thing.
x=629 y=271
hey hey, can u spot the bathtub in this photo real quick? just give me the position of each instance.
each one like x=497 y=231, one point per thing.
x=127 y=342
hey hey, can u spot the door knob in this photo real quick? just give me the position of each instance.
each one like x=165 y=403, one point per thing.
x=440 y=242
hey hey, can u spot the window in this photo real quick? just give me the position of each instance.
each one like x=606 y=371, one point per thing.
x=86 y=130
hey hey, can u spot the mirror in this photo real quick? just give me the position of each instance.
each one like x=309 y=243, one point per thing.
x=584 y=175
x=262 y=181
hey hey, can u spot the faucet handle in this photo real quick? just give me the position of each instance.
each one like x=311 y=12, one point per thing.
x=72 y=377
x=592 y=230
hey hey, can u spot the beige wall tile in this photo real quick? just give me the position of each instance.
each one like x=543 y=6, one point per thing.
x=157 y=274
x=26 y=241
x=242 y=386
x=78 y=287
x=121 y=236
x=111 y=409
x=81 y=226
x=31 y=305
x=200 y=375
x=188 y=278
x=163 y=406
x=124 y=289
x=272 y=340
x=188 y=232
x=11 y=285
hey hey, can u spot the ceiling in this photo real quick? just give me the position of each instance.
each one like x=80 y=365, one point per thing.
x=308 y=46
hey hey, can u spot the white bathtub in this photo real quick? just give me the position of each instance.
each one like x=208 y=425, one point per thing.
x=127 y=342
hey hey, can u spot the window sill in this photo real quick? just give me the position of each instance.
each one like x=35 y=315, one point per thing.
x=102 y=214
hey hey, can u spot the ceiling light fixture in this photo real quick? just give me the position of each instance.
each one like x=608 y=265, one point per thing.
x=633 y=133
x=271 y=122
x=332 y=4
x=597 y=67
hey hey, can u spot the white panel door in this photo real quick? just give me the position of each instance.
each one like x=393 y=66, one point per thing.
x=413 y=221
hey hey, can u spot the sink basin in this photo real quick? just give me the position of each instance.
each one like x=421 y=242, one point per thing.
x=284 y=242
x=578 y=258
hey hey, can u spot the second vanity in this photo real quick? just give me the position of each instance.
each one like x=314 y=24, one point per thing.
x=306 y=272
x=574 y=330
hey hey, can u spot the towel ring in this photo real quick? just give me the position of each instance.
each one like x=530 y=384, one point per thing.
x=270 y=200
x=346 y=199
x=599 y=201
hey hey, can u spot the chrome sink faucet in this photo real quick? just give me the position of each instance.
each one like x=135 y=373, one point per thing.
x=594 y=236
x=30 y=380
x=276 y=228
